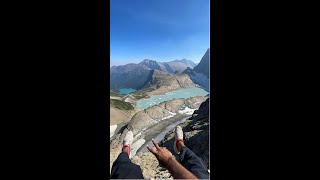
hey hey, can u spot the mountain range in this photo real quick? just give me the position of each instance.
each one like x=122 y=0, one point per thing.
x=129 y=76
x=170 y=67
x=136 y=76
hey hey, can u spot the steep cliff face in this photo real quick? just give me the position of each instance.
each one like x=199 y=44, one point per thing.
x=158 y=113
x=203 y=66
x=200 y=74
x=196 y=133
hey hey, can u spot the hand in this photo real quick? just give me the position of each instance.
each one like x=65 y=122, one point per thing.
x=162 y=154
x=166 y=160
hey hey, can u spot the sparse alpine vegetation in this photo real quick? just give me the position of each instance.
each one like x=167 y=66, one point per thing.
x=112 y=93
x=121 y=104
x=142 y=93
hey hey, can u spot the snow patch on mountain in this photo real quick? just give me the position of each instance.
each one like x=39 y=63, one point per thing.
x=172 y=114
x=187 y=111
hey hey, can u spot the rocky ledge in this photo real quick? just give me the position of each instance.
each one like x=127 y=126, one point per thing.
x=156 y=114
x=196 y=133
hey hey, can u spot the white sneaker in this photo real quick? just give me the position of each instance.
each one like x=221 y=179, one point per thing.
x=127 y=141
x=179 y=137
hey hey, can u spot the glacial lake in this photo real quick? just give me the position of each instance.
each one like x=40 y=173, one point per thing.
x=181 y=93
x=126 y=91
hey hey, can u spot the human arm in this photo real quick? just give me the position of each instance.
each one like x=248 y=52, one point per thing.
x=167 y=160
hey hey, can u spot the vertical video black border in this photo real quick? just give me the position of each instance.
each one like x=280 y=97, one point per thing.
x=103 y=59
x=215 y=88
x=61 y=84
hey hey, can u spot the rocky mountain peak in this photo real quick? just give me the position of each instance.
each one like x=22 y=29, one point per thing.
x=203 y=66
x=147 y=61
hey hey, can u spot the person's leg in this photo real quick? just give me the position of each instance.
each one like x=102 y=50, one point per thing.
x=192 y=162
x=122 y=167
x=187 y=158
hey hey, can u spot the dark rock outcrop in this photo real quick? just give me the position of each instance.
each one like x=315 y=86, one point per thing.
x=200 y=74
x=196 y=133
x=203 y=66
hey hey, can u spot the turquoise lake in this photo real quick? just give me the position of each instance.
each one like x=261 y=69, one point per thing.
x=181 y=93
x=126 y=91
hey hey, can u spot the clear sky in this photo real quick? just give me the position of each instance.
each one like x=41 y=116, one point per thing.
x=161 y=30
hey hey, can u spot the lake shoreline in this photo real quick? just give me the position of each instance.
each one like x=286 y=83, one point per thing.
x=184 y=93
x=126 y=91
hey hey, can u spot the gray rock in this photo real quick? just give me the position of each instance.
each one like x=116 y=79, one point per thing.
x=196 y=133
x=203 y=66
x=155 y=114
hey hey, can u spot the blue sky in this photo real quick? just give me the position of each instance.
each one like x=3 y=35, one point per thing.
x=161 y=30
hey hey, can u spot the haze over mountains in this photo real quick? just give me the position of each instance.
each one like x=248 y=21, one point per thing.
x=137 y=76
x=170 y=67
